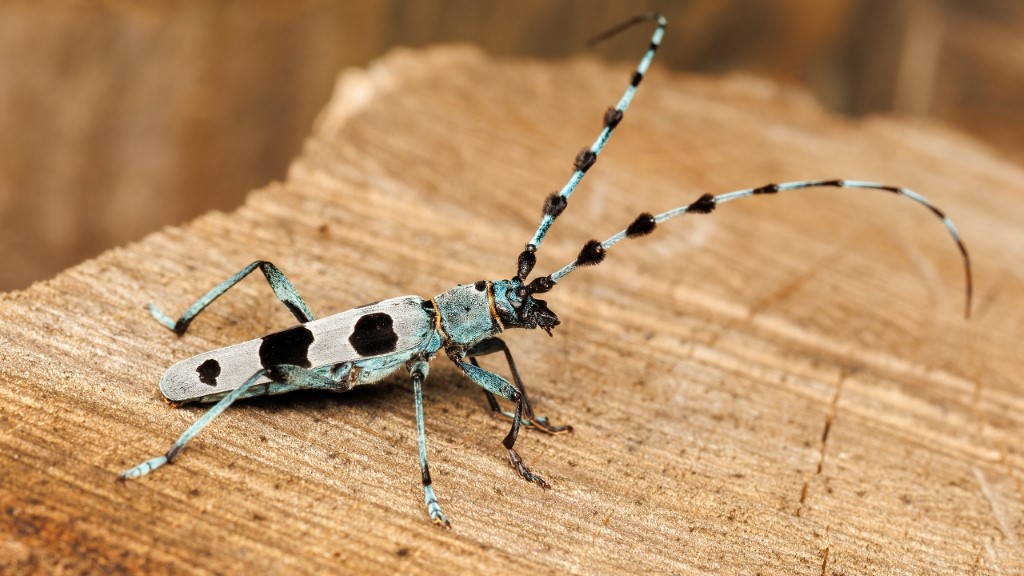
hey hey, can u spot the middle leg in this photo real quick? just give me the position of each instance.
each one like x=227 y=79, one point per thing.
x=418 y=369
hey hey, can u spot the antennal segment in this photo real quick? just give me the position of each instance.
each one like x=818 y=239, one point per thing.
x=557 y=201
x=594 y=252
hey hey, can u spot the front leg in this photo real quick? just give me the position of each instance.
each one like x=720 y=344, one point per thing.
x=495 y=384
x=491 y=346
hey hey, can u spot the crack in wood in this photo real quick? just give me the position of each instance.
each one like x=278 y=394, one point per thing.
x=830 y=417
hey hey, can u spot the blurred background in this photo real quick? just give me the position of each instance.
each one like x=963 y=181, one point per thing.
x=118 y=117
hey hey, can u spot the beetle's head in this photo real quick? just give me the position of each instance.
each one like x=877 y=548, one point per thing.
x=517 y=308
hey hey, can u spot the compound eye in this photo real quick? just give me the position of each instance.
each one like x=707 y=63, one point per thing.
x=514 y=297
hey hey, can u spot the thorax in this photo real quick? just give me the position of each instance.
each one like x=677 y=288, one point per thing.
x=466 y=314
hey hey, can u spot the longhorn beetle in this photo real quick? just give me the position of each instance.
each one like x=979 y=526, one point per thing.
x=369 y=343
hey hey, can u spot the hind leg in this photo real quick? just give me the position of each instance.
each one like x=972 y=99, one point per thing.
x=285 y=378
x=282 y=287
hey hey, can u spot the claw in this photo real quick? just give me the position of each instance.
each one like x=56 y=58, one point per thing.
x=517 y=463
x=434 y=509
x=440 y=519
x=143 y=469
x=538 y=422
x=541 y=423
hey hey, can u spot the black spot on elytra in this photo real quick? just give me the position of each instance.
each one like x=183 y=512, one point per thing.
x=480 y=285
x=373 y=335
x=208 y=372
x=289 y=346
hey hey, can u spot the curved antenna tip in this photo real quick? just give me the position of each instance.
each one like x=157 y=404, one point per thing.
x=653 y=16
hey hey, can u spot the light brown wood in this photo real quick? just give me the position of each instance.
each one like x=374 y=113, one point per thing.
x=786 y=386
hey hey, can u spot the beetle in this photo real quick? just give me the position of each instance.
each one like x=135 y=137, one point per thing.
x=367 y=344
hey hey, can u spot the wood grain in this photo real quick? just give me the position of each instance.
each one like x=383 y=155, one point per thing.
x=786 y=386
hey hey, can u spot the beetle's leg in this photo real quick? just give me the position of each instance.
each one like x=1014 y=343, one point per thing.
x=418 y=369
x=492 y=345
x=179 y=444
x=497 y=385
x=283 y=288
x=284 y=378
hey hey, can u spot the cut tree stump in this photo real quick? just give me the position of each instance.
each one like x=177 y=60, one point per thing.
x=787 y=386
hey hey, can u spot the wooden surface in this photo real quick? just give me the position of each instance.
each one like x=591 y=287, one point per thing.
x=786 y=386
